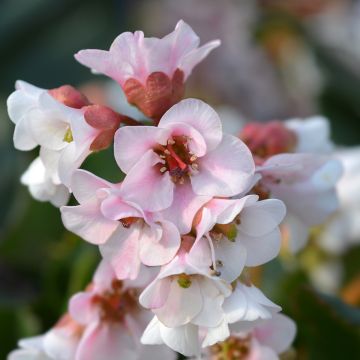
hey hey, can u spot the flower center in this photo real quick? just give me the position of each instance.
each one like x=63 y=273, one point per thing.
x=234 y=348
x=115 y=303
x=68 y=137
x=177 y=159
x=128 y=221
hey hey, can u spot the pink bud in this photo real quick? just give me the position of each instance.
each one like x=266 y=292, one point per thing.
x=265 y=140
x=158 y=95
x=69 y=96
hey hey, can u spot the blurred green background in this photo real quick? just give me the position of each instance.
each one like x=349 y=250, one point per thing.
x=41 y=264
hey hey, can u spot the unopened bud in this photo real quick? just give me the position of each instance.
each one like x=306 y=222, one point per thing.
x=158 y=94
x=69 y=96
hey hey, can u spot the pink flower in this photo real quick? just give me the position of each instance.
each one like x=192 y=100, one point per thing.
x=246 y=305
x=265 y=340
x=104 y=322
x=151 y=71
x=66 y=135
x=126 y=234
x=187 y=147
x=307 y=185
x=186 y=291
x=241 y=232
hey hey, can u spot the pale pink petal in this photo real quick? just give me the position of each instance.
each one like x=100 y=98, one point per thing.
x=259 y=352
x=107 y=341
x=195 y=141
x=132 y=142
x=200 y=256
x=262 y=249
x=122 y=252
x=85 y=185
x=60 y=343
x=189 y=61
x=225 y=210
x=277 y=333
x=216 y=334
x=115 y=208
x=48 y=128
x=147 y=186
x=262 y=217
x=81 y=308
x=23 y=138
x=87 y=222
x=233 y=257
x=155 y=295
x=182 y=304
x=206 y=223
x=166 y=54
x=103 y=277
x=226 y=170
x=152 y=334
x=155 y=253
x=183 y=339
x=71 y=159
x=184 y=207
x=211 y=313
x=200 y=116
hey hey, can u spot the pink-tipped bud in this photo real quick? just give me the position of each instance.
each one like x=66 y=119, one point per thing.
x=69 y=96
x=158 y=95
x=268 y=139
x=106 y=121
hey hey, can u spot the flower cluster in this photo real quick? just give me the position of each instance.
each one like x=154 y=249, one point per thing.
x=195 y=209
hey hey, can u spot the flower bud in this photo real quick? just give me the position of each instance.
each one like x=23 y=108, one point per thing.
x=69 y=96
x=265 y=140
x=158 y=95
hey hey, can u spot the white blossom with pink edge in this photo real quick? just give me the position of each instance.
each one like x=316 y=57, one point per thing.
x=61 y=131
x=241 y=232
x=126 y=234
x=258 y=340
x=133 y=56
x=307 y=185
x=187 y=146
x=246 y=304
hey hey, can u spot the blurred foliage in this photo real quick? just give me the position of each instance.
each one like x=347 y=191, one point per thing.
x=42 y=265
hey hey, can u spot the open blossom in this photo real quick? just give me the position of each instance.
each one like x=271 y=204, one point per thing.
x=246 y=304
x=187 y=146
x=104 y=322
x=307 y=185
x=63 y=123
x=151 y=71
x=186 y=290
x=126 y=234
x=265 y=340
x=241 y=232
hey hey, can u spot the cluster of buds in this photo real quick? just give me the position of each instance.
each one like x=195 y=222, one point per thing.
x=195 y=209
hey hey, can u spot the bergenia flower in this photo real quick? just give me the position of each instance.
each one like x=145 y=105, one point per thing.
x=151 y=71
x=246 y=304
x=186 y=290
x=63 y=123
x=266 y=340
x=241 y=232
x=126 y=234
x=113 y=319
x=307 y=185
x=188 y=146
